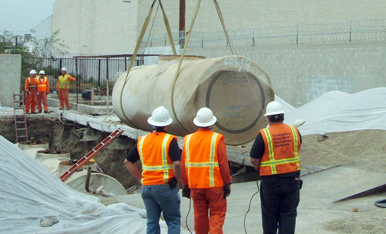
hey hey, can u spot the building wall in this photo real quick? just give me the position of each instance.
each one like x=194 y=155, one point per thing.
x=10 y=71
x=44 y=29
x=112 y=27
x=266 y=13
x=301 y=73
x=95 y=26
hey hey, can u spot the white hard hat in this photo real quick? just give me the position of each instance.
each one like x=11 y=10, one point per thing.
x=274 y=108
x=160 y=117
x=42 y=72
x=32 y=72
x=63 y=69
x=204 y=118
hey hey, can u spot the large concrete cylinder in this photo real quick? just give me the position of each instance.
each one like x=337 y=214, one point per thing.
x=236 y=89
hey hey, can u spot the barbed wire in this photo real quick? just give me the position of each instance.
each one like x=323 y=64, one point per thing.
x=329 y=33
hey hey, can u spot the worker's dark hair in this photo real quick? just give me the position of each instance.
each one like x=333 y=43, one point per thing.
x=276 y=118
x=158 y=129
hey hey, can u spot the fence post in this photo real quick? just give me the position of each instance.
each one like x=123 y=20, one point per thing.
x=349 y=39
x=253 y=37
x=107 y=87
x=99 y=73
x=78 y=83
x=202 y=40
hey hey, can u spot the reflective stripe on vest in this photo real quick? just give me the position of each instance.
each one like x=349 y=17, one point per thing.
x=64 y=83
x=42 y=85
x=29 y=83
x=274 y=162
x=165 y=167
x=211 y=164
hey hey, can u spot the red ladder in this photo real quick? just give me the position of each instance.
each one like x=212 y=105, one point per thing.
x=110 y=138
x=20 y=125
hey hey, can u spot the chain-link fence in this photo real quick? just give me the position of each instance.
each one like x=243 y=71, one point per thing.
x=341 y=32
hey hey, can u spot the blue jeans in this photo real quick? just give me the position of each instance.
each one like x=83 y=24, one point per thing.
x=159 y=198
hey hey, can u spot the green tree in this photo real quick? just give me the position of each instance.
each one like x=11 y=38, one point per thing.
x=49 y=47
x=33 y=50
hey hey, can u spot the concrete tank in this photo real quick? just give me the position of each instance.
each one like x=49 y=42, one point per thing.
x=236 y=89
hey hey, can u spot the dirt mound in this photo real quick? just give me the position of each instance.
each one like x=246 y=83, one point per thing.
x=364 y=149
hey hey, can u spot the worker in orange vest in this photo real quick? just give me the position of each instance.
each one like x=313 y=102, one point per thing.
x=275 y=154
x=205 y=174
x=161 y=173
x=43 y=90
x=63 y=86
x=30 y=87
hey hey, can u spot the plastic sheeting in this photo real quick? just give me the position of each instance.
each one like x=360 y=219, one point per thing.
x=337 y=111
x=32 y=200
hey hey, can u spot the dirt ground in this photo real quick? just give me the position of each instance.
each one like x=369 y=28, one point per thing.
x=363 y=149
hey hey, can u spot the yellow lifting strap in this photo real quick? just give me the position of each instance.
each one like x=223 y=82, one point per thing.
x=140 y=38
x=167 y=25
x=186 y=45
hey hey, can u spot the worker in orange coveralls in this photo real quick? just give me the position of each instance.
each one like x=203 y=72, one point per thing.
x=63 y=86
x=205 y=174
x=30 y=89
x=43 y=90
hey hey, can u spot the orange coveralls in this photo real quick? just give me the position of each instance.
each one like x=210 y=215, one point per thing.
x=63 y=86
x=206 y=188
x=30 y=97
x=43 y=89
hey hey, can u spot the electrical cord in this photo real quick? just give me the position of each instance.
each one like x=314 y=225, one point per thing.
x=186 y=219
x=249 y=207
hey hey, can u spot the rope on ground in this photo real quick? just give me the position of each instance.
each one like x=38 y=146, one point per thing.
x=249 y=207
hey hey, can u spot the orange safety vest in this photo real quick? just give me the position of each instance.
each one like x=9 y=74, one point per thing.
x=153 y=149
x=201 y=160
x=30 y=85
x=42 y=86
x=64 y=83
x=281 y=155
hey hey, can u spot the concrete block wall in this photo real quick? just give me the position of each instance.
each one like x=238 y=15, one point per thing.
x=301 y=73
x=113 y=27
x=10 y=72
x=96 y=27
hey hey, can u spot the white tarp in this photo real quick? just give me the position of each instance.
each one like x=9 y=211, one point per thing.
x=337 y=111
x=31 y=198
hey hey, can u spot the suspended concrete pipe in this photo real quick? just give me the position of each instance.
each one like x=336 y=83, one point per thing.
x=235 y=88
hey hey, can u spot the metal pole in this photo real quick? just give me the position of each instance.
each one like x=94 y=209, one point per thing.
x=182 y=23
x=99 y=73
x=349 y=39
x=78 y=83
x=107 y=89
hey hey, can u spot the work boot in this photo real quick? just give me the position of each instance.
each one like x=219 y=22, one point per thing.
x=45 y=111
x=40 y=111
x=61 y=108
x=68 y=108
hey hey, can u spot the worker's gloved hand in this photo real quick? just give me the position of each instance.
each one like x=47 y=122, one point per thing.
x=186 y=192
x=27 y=93
x=37 y=93
x=227 y=190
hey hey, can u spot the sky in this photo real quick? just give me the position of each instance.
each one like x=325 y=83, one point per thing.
x=19 y=16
